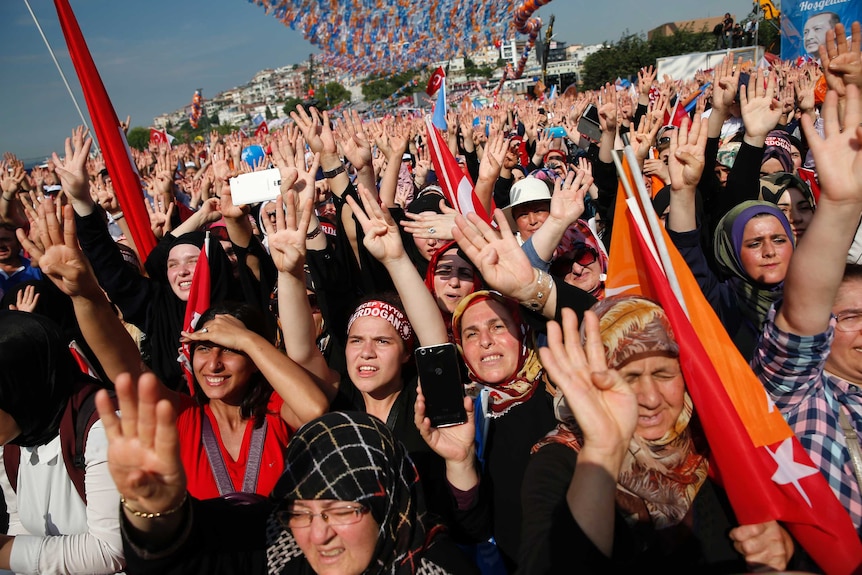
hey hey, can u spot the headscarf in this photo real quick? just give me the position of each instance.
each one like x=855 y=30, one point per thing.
x=577 y=235
x=754 y=299
x=35 y=393
x=429 y=277
x=165 y=319
x=773 y=186
x=660 y=478
x=727 y=153
x=262 y=222
x=777 y=145
x=352 y=456
x=529 y=373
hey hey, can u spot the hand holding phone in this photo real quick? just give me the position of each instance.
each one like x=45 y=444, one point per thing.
x=440 y=376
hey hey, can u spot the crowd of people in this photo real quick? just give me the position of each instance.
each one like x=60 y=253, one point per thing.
x=292 y=433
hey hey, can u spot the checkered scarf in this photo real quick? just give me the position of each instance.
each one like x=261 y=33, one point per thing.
x=351 y=456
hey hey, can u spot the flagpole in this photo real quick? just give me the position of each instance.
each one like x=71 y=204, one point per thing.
x=652 y=221
x=60 y=70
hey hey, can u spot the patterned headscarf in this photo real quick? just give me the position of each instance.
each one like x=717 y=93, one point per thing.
x=660 y=478
x=754 y=299
x=577 y=235
x=352 y=456
x=529 y=373
x=773 y=186
x=429 y=277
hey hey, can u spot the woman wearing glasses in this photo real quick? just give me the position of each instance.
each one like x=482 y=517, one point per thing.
x=349 y=502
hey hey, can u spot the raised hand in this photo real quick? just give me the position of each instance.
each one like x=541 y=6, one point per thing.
x=687 y=154
x=160 y=213
x=315 y=129
x=382 y=238
x=72 y=170
x=604 y=405
x=143 y=445
x=26 y=300
x=430 y=225
x=58 y=254
x=842 y=62
x=567 y=201
x=287 y=236
x=760 y=108
x=497 y=254
x=454 y=443
x=841 y=150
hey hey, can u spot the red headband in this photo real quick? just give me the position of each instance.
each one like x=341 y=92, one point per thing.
x=383 y=310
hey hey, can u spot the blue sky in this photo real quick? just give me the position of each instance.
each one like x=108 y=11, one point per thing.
x=153 y=54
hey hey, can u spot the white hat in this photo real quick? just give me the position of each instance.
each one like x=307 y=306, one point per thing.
x=526 y=190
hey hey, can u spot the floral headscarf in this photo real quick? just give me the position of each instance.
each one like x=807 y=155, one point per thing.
x=660 y=478
x=429 y=278
x=529 y=372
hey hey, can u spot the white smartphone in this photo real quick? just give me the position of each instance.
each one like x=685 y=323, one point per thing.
x=255 y=187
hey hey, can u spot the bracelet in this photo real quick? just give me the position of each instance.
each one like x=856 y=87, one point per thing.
x=118 y=216
x=314 y=233
x=145 y=515
x=539 y=298
x=331 y=174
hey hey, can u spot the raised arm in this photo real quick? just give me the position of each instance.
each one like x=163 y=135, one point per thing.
x=383 y=241
x=606 y=409
x=567 y=205
x=817 y=265
x=287 y=242
x=303 y=399
x=62 y=261
x=685 y=165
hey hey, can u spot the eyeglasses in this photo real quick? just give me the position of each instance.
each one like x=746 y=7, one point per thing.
x=346 y=515
x=584 y=256
x=848 y=321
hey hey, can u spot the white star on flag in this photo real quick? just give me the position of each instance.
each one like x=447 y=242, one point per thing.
x=788 y=470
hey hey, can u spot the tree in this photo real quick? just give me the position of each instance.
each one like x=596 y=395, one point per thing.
x=336 y=94
x=378 y=88
x=138 y=138
x=632 y=52
x=290 y=105
x=269 y=115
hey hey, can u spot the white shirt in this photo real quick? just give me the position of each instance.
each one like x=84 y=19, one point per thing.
x=55 y=533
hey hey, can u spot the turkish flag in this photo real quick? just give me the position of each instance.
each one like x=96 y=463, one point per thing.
x=435 y=81
x=198 y=303
x=158 y=137
x=261 y=130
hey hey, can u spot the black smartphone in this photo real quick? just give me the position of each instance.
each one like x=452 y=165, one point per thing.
x=440 y=376
x=589 y=125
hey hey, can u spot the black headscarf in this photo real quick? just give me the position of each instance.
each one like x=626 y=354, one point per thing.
x=352 y=456
x=167 y=311
x=37 y=375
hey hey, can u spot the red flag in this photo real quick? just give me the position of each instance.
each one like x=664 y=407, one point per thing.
x=753 y=452
x=158 y=137
x=261 y=130
x=198 y=303
x=110 y=135
x=435 y=81
x=456 y=184
x=810 y=178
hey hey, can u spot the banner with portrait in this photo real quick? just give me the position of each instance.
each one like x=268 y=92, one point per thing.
x=804 y=24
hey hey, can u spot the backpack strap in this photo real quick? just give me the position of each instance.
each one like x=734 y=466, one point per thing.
x=78 y=418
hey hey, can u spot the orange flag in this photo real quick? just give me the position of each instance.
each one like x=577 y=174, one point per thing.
x=753 y=452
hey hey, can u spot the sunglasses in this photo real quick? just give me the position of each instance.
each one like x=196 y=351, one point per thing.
x=583 y=255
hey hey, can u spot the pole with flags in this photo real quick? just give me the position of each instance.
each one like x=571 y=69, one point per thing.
x=109 y=133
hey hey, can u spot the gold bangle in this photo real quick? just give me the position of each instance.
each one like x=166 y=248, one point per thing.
x=146 y=515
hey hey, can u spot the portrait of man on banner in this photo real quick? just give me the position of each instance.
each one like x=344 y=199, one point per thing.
x=804 y=24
